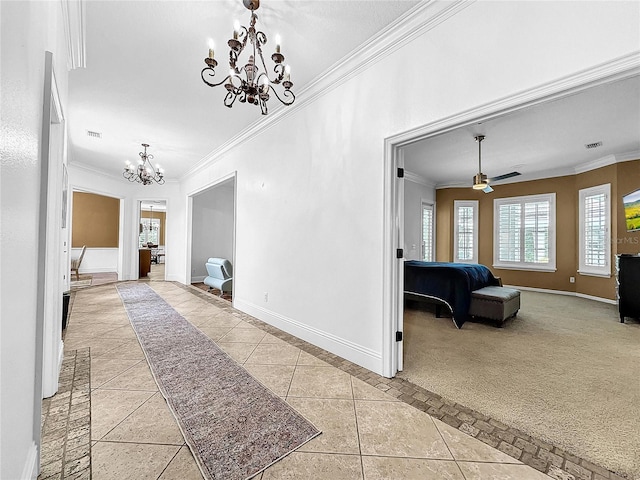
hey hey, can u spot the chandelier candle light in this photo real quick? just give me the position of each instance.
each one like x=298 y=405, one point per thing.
x=245 y=82
x=144 y=172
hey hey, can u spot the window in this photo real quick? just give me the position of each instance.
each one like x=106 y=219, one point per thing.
x=427 y=233
x=149 y=231
x=465 y=236
x=595 y=220
x=524 y=232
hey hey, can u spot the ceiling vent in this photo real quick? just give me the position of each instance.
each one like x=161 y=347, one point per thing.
x=94 y=134
x=593 y=145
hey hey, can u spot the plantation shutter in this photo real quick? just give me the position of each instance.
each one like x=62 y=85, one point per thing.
x=465 y=233
x=509 y=232
x=427 y=233
x=595 y=230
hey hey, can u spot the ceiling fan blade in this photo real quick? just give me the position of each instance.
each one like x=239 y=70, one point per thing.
x=504 y=176
x=487 y=189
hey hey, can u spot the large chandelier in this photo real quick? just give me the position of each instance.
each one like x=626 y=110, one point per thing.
x=144 y=172
x=245 y=82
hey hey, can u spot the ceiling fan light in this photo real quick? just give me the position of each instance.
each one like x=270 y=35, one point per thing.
x=480 y=181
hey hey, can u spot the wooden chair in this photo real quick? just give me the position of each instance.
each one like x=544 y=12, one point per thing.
x=75 y=263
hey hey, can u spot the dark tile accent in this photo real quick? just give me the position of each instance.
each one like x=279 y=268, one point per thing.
x=66 y=439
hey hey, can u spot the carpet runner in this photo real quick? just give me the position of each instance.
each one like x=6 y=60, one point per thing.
x=234 y=426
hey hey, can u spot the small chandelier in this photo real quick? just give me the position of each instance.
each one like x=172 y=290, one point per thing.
x=245 y=82
x=151 y=225
x=144 y=172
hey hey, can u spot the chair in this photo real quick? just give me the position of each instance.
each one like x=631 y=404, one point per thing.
x=220 y=275
x=75 y=263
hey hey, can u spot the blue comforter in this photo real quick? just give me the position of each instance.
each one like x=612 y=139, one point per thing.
x=451 y=283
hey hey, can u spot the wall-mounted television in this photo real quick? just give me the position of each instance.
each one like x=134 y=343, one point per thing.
x=631 y=202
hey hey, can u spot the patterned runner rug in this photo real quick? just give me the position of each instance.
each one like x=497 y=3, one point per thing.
x=234 y=426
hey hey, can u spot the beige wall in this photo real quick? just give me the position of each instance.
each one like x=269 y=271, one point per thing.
x=96 y=221
x=163 y=221
x=624 y=178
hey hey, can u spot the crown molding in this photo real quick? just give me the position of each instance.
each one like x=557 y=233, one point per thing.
x=415 y=178
x=628 y=156
x=74 y=20
x=607 y=160
x=92 y=170
x=597 y=163
x=559 y=172
x=415 y=22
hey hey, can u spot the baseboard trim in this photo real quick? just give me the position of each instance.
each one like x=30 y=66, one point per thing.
x=198 y=279
x=564 y=292
x=597 y=299
x=99 y=270
x=30 y=470
x=363 y=356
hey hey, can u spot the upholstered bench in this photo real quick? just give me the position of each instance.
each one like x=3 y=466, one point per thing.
x=495 y=303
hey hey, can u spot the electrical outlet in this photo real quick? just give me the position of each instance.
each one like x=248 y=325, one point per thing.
x=572 y=279
x=266 y=297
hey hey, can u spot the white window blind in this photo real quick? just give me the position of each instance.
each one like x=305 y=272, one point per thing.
x=524 y=230
x=509 y=233
x=536 y=232
x=595 y=218
x=466 y=231
x=427 y=233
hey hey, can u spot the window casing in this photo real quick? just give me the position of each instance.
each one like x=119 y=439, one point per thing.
x=594 y=223
x=428 y=250
x=524 y=235
x=465 y=236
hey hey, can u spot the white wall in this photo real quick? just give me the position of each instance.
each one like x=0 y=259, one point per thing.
x=314 y=194
x=414 y=194
x=212 y=228
x=27 y=30
x=97 y=259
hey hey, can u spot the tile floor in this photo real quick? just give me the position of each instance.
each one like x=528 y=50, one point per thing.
x=367 y=434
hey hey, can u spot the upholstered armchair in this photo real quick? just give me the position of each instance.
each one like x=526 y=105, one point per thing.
x=75 y=263
x=220 y=275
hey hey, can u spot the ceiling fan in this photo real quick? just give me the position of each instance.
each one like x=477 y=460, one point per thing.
x=480 y=180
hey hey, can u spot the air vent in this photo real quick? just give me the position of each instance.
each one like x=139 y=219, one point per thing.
x=593 y=145
x=94 y=134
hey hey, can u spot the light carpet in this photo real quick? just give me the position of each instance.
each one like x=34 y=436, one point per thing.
x=234 y=426
x=565 y=371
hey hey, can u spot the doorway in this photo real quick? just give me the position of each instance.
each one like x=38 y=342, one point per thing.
x=398 y=157
x=152 y=228
x=212 y=227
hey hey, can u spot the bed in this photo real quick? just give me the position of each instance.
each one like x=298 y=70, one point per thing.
x=449 y=283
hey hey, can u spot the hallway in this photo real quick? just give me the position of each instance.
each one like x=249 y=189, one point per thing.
x=367 y=433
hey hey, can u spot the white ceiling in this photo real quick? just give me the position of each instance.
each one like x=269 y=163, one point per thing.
x=540 y=141
x=142 y=81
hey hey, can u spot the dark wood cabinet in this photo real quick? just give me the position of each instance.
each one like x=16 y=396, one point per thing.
x=144 y=262
x=628 y=285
